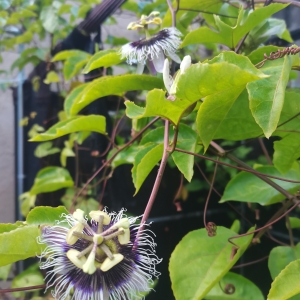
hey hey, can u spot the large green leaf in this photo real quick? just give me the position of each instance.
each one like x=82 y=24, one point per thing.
x=145 y=160
x=63 y=55
x=105 y=58
x=246 y=187
x=19 y=244
x=73 y=66
x=267 y=95
x=230 y=36
x=280 y=257
x=78 y=123
x=45 y=215
x=236 y=121
x=50 y=179
x=213 y=112
x=286 y=284
x=287 y=149
x=113 y=85
x=199 y=261
x=226 y=71
x=70 y=99
x=244 y=289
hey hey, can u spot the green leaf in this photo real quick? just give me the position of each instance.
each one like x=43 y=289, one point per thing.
x=72 y=97
x=4 y=271
x=246 y=187
x=213 y=112
x=199 y=261
x=78 y=123
x=8 y=227
x=73 y=66
x=295 y=223
x=28 y=201
x=287 y=149
x=19 y=244
x=126 y=156
x=46 y=215
x=66 y=54
x=145 y=160
x=244 y=289
x=50 y=179
x=236 y=226
x=258 y=55
x=49 y=18
x=52 y=76
x=105 y=58
x=230 y=36
x=113 y=85
x=45 y=149
x=266 y=96
x=158 y=105
x=280 y=257
x=286 y=284
x=226 y=71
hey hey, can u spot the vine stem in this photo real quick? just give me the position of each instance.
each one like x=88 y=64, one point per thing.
x=27 y=288
x=158 y=179
x=110 y=160
x=223 y=153
x=235 y=167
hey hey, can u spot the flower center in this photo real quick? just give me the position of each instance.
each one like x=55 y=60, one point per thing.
x=101 y=251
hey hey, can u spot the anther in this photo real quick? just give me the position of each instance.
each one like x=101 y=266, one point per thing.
x=71 y=238
x=72 y=255
x=95 y=216
x=124 y=238
x=109 y=263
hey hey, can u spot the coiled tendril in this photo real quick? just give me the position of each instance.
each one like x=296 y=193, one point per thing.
x=278 y=54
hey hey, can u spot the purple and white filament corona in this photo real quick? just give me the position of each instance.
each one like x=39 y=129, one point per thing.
x=153 y=50
x=98 y=259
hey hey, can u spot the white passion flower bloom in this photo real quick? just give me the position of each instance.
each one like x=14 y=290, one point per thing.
x=153 y=50
x=99 y=259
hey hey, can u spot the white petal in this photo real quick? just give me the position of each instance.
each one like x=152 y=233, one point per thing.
x=168 y=80
x=158 y=62
x=140 y=68
x=186 y=63
x=174 y=57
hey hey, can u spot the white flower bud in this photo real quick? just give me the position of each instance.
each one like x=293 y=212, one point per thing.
x=186 y=63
